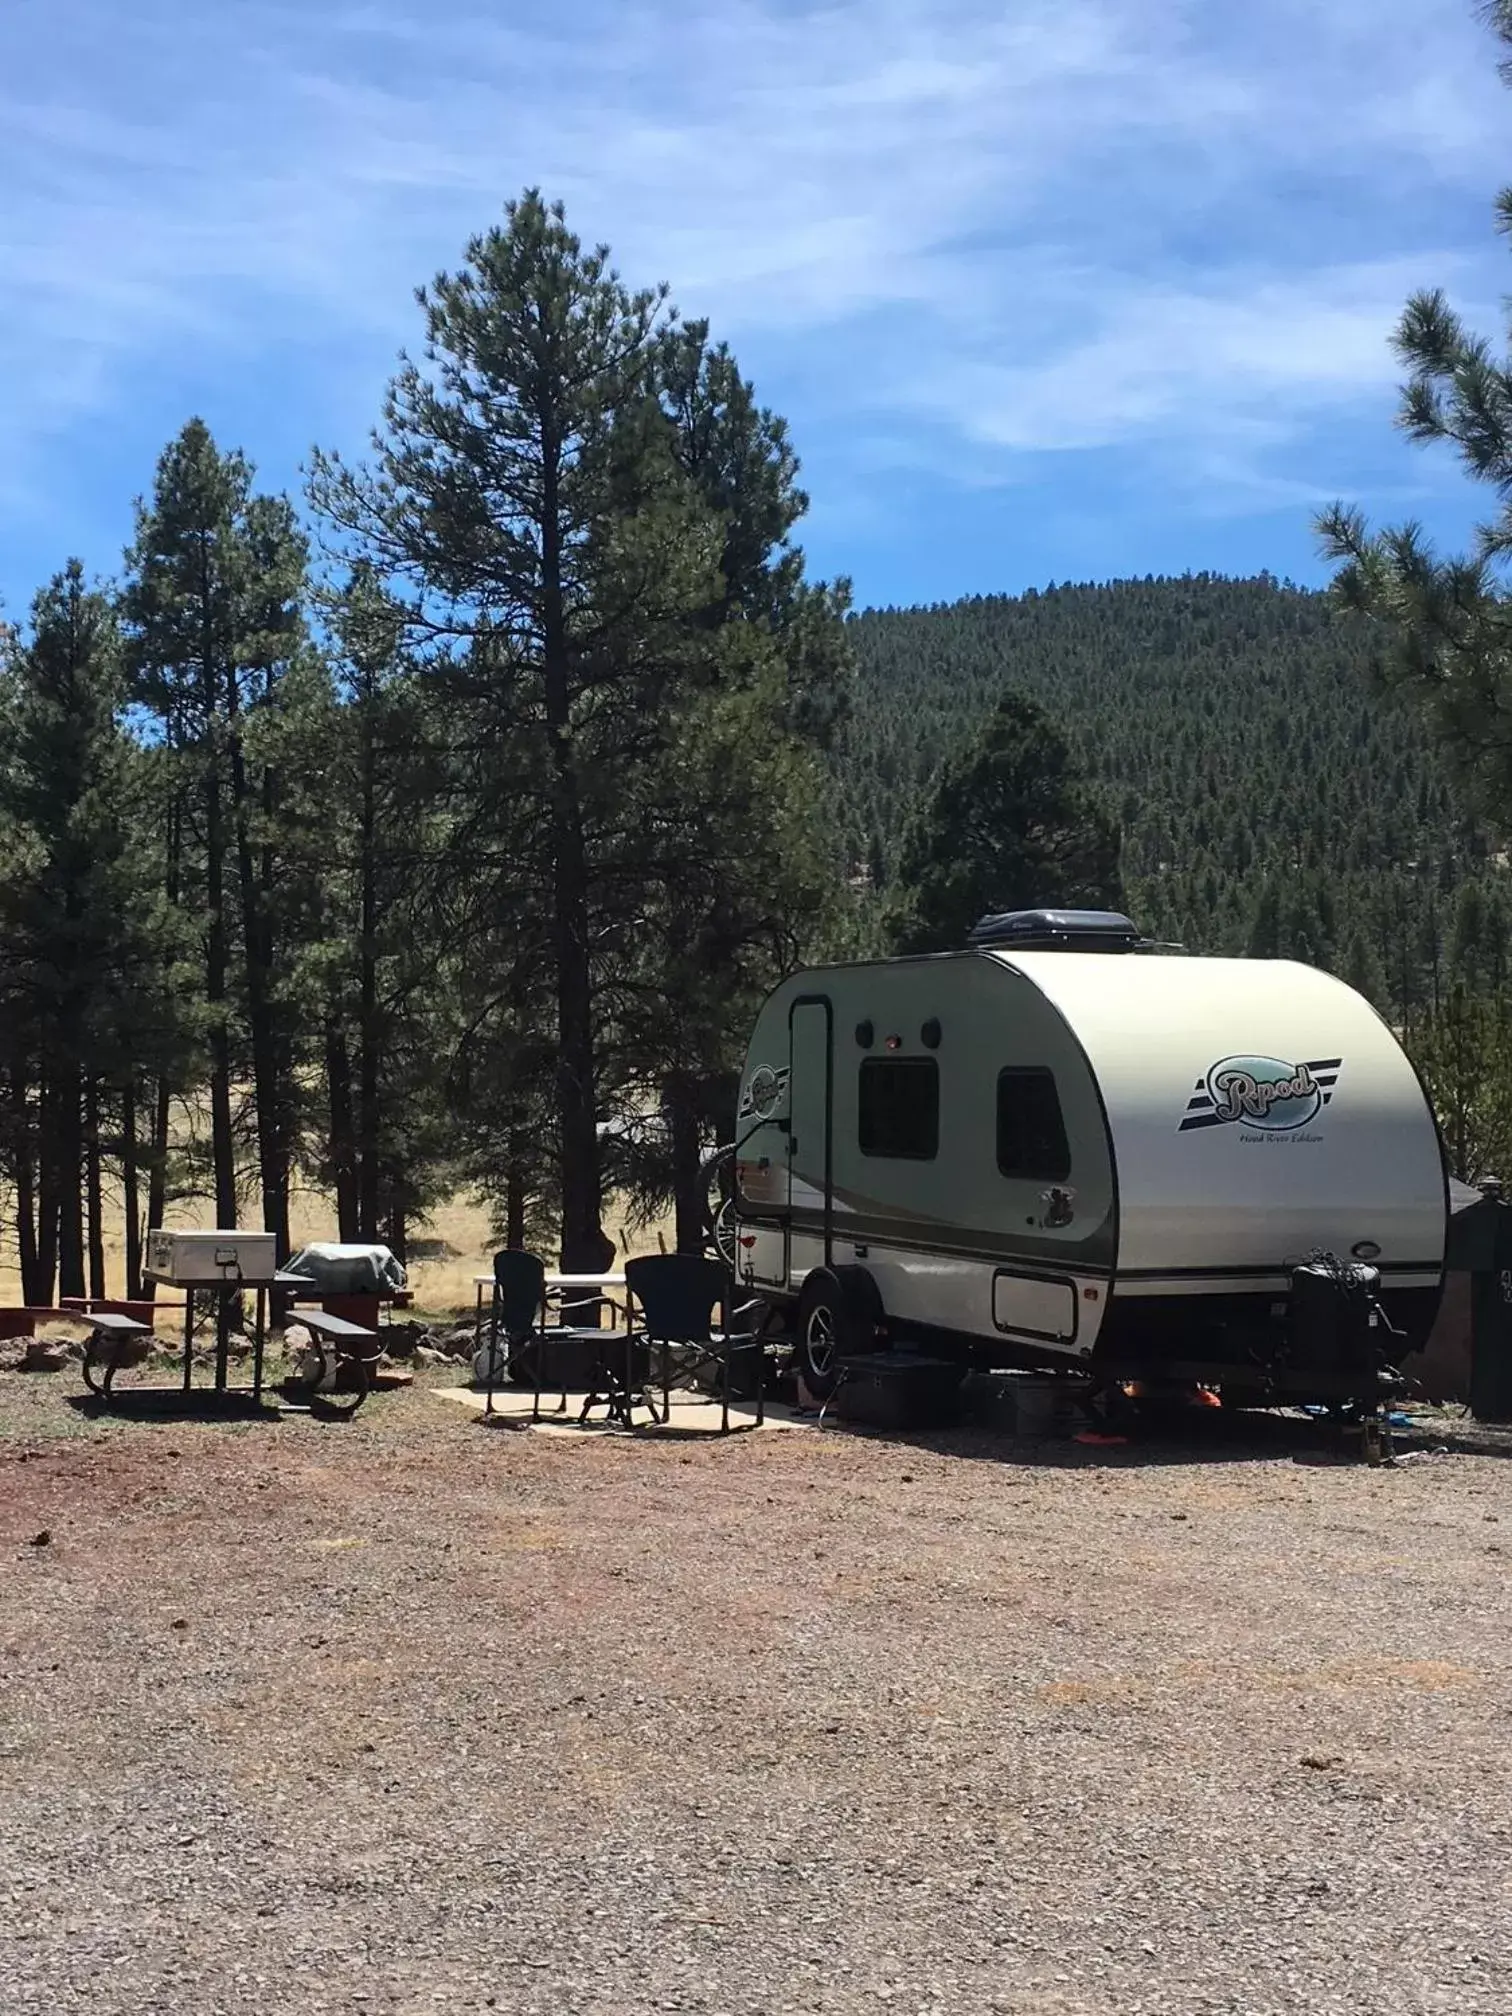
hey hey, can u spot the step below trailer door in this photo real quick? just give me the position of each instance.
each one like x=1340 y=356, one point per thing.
x=811 y=1109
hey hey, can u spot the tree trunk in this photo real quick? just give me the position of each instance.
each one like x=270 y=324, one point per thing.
x=272 y=1160
x=157 y=1173
x=223 y=1147
x=68 y=1166
x=282 y=1031
x=32 y=1291
x=515 y=1186
x=398 y=1230
x=94 y=1191
x=576 y=1075
x=681 y=1107
x=131 y=1200
x=343 y=1151
x=368 y=1035
x=47 y=1196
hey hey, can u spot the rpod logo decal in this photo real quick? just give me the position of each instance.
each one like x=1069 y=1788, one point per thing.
x=1263 y=1095
x=765 y=1092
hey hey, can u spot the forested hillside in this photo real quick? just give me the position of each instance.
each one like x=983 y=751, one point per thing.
x=1270 y=801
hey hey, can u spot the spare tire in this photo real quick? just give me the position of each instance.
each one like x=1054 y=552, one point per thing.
x=716 y=1182
x=840 y=1316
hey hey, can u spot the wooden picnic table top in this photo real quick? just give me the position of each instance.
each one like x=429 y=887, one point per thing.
x=565 y=1280
x=336 y=1328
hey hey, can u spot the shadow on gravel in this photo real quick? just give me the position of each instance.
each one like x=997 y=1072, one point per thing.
x=172 y=1403
x=1197 y=1435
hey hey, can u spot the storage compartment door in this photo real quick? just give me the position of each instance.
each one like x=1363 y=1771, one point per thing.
x=1039 y=1308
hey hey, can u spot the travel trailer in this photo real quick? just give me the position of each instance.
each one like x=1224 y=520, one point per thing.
x=1059 y=1147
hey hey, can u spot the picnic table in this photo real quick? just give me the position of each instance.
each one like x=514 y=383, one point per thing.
x=559 y=1287
x=338 y=1345
x=111 y=1342
x=114 y=1337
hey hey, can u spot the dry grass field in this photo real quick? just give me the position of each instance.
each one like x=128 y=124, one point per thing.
x=458 y=1235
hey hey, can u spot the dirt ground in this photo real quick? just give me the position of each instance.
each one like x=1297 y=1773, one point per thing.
x=409 y=1714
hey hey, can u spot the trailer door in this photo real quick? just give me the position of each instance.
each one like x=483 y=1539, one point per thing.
x=810 y=1143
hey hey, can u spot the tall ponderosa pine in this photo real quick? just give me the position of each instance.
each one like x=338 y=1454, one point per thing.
x=1009 y=826
x=527 y=495
x=743 y=867
x=213 y=616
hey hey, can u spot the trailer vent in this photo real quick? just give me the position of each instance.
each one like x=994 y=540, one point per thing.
x=1059 y=931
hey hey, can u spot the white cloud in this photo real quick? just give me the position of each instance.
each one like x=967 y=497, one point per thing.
x=1244 y=357
x=1030 y=224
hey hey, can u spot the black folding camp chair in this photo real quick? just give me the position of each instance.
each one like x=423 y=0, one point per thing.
x=677 y=1295
x=516 y=1328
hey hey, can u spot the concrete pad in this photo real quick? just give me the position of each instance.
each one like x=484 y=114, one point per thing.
x=692 y=1414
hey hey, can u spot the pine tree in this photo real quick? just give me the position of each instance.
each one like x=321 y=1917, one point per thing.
x=527 y=497
x=1471 y=946
x=379 y=957
x=1448 y=621
x=88 y=964
x=740 y=861
x=1364 y=971
x=1009 y=826
x=1266 y=931
x=214 y=624
x=1464 y=1051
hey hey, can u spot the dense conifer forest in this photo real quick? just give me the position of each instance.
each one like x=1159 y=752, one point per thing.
x=1271 y=799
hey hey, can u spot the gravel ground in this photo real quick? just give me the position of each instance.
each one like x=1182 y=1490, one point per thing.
x=412 y=1715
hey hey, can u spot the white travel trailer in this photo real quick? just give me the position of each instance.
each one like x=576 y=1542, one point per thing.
x=1030 y=1153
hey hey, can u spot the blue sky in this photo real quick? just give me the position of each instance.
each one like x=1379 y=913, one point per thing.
x=1048 y=289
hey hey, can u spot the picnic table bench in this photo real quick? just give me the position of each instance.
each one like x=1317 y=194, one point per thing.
x=337 y=1345
x=110 y=1338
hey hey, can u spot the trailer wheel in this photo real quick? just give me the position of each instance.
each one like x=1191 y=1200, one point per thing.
x=840 y=1315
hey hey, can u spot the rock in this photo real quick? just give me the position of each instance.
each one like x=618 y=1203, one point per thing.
x=426 y=1356
x=460 y=1342
x=296 y=1338
x=42 y=1539
x=402 y=1340
x=45 y=1354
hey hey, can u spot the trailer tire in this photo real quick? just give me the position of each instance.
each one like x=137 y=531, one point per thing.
x=840 y=1316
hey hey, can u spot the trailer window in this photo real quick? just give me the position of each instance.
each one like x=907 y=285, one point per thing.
x=899 y=1108
x=1031 y=1134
